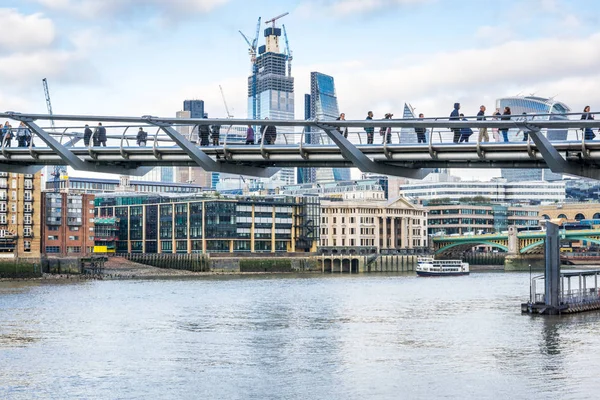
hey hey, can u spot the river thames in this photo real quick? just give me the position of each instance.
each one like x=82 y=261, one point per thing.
x=292 y=337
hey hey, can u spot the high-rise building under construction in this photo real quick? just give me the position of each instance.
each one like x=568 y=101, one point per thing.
x=271 y=90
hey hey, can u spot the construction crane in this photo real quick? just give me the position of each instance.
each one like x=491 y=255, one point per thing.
x=59 y=170
x=288 y=52
x=272 y=20
x=229 y=115
x=252 y=51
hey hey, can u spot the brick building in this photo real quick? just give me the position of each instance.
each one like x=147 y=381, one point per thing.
x=20 y=207
x=68 y=224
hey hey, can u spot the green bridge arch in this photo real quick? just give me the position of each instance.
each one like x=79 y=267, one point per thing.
x=474 y=243
x=567 y=239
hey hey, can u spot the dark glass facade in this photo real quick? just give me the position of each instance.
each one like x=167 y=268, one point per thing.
x=147 y=224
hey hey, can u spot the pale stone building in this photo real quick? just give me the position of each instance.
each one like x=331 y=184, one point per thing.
x=369 y=220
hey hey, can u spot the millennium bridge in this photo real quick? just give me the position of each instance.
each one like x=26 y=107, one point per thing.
x=296 y=146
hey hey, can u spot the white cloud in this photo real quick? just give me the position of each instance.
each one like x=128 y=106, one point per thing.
x=95 y=8
x=346 y=7
x=24 y=32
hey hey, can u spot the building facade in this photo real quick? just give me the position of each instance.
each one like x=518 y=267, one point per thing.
x=571 y=212
x=520 y=105
x=271 y=92
x=68 y=224
x=73 y=184
x=20 y=207
x=496 y=191
x=173 y=224
x=459 y=218
x=323 y=105
x=374 y=222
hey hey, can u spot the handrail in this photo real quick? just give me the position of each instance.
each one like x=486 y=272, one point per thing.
x=123 y=152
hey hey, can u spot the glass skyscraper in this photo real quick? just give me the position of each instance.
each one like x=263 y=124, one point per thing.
x=274 y=91
x=534 y=105
x=408 y=135
x=322 y=104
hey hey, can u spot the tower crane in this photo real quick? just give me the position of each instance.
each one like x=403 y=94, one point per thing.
x=229 y=115
x=272 y=20
x=59 y=170
x=288 y=52
x=252 y=51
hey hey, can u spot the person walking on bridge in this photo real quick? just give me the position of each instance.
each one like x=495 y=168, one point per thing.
x=100 y=135
x=204 y=131
x=370 y=129
x=455 y=116
x=141 y=137
x=87 y=135
x=343 y=130
x=386 y=131
x=505 y=117
x=421 y=131
x=7 y=134
x=215 y=131
x=483 y=133
x=22 y=135
x=249 y=135
x=587 y=115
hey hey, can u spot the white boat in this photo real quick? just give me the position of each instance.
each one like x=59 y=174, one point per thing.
x=428 y=266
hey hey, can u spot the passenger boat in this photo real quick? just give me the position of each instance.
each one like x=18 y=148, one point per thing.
x=428 y=266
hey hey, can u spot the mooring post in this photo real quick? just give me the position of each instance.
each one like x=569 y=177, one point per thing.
x=552 y=273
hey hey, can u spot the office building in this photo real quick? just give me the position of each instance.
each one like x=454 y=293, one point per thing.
x=459 y=217
x=271 y=91
x=332 y=190
x=534 y=105
x=68 y=224
x=175 y=224
x=372 y=221
x=321 y=104
x=408 y=135
x=571 y=212
x=74 y=184
x=20 y=207
x=496 y=191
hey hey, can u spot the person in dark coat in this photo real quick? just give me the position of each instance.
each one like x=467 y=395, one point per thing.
x=141 y=137
x=421 y=132
x=369 y=129
x=100 y=135
x=465 y=133
x=215 y=131
x=386 y=132
x=271 y=134
x=204 y=131
x=455 y=116
x=483 y=132
x=587 y=115
x=87 y=135
x=505 y=117
x=22 y=135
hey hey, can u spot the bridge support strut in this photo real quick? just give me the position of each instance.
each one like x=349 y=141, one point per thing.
x=364 y=163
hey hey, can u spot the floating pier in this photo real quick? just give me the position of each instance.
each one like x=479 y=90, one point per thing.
x=555 y=292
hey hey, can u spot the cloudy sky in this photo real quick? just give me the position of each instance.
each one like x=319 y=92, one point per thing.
x=139 y=57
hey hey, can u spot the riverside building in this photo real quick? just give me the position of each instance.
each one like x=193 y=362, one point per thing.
x=454 y=217
x=497 y=191
x=372 y=222
x=68 y=224
x=20 y=207
x=141 y=223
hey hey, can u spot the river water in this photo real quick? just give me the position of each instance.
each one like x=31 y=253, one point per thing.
x=292 y=337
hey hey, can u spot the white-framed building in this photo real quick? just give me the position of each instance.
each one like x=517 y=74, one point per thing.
x=496 y=191
x=373 y=221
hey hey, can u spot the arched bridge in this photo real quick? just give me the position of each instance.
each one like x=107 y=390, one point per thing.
x=523 y=242
x=298 y=145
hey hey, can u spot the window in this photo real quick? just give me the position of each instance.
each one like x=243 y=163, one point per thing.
x=91 y=210
x=91 y=238
x=51 y=228
x=27 y=231
x=28 y=195
x=52 y=249
x=14 y=184
x=13 y=219
x=27 y=208
x=73 y=237
x=75 y=228
x=26 y=245
x=73 y=249
x=13 y=207
x=2 y=207
x=13 y=195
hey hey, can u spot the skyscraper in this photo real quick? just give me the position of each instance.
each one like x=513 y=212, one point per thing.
x=322 y=104
x=274 y=88
x=534 y=105
x=408 y=135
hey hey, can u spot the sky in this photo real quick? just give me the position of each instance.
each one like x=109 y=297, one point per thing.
x=144 y=57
